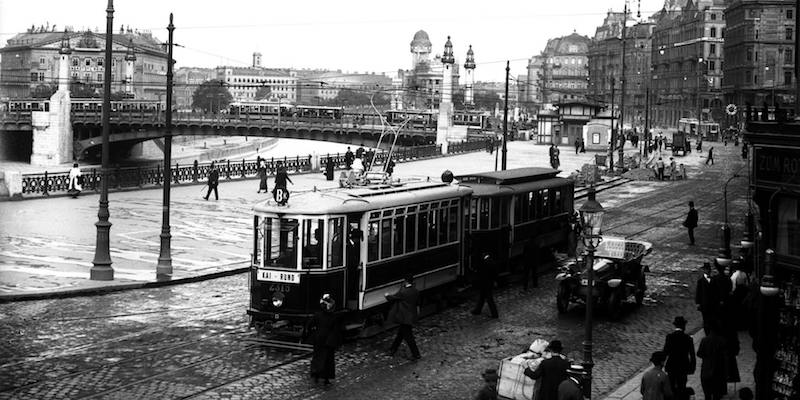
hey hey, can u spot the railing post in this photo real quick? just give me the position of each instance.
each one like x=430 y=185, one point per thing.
x=194 y=172
x=177 y=173
x=158 y=175
x=94 y=179
x=45 y=192
x=244 y=166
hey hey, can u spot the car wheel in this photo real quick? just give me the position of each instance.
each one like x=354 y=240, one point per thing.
x=562 y=298
x=614 y=308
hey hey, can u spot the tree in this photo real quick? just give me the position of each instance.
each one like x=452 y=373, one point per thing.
x=80 y=90
x=263 y=92
x=350 y=97
x=43 y=91
x=211 y=96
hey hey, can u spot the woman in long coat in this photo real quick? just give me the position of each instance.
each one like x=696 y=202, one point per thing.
x=75 y=181
x=262 y=175
x=326 y=336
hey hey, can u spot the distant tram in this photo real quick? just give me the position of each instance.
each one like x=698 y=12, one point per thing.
x=358 y=243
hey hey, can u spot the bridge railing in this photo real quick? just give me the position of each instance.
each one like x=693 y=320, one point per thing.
x=126 y=178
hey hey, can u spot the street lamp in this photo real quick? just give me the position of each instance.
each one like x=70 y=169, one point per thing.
x=164 y=266
x=591 y=219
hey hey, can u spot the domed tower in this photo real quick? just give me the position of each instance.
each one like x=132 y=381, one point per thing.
x=63 y=62
x=420 y=48
x=130 y=57
x=469 y=66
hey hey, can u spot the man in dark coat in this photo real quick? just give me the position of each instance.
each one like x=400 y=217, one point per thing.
x=213 y=181
x=360 y=152
x=326 y=331
x=681 y=362
x=281 y=177
x=712 y=370
x=552 y=371
x=404 y=313
x=691 y=222
x=655 y=384
x=348 y=158
x=486 y=274
x=570 y=388
x=710 y=158
x=706 y=297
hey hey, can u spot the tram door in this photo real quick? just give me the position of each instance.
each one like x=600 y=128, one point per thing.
x=352 y=274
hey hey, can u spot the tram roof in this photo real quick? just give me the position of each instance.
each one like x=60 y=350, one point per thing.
x=362 y=199
x=493 y=190
x=509 y=176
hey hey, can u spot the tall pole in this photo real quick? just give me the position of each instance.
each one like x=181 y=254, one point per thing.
x=101 y=269
x=613 y=139
x=505 y=119
x=164 y=267
x=621 y=134
x=647 y=120
x=796 y=61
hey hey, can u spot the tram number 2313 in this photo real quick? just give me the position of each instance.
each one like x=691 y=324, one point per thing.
x=281 y=195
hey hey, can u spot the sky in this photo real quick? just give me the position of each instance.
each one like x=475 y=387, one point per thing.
x=347 y=35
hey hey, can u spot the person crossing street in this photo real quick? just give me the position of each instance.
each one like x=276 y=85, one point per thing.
x=487 y=272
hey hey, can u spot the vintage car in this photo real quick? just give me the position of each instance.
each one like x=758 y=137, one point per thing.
x=618 y=274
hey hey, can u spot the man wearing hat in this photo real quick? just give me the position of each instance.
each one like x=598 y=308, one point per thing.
x=487 y=272
x=404 y=313
x=705 y=297
x=552 y=371
x=489 y=389
x=570 y=388
x=655 y=384
x=681 y=361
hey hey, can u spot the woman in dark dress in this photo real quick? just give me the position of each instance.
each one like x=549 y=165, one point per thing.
x=262 y=175
x=326 y=336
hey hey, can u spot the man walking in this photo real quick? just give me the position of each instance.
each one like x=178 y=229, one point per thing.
x=487 y=271
x=348 y=158
x=681 y=362
x=710 y=158
x=655 y=384
x=213 y=181
x=691 y=222
x=404 y=313
x=712 y=370
x=660 y=168
x=705 y=297
x=570 y=388
x=553 y=371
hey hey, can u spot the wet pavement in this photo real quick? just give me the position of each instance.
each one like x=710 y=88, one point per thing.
x=192 y=340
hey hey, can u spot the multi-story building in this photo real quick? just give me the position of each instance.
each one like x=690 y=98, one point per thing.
x=186 y=81
x=30 y=62
x=638 y=71
x=687 y=62
x=244 y=82
x=532 y=92
x=605 y=59
x=422 y=84
x=759 y=53
x=316 y=87
x=564 y=71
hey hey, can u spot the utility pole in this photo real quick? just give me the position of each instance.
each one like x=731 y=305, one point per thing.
x=505 y=119
x=796 y=61
x=164 y=267
x=647 y=120
x=621 y=134
x=613 y=139
x=101 y=269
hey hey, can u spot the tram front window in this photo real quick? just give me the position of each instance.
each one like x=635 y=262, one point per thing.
x=280 y=242
x=312 y=243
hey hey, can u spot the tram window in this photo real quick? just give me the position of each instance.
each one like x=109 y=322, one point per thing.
x=535 y=206
x=504 y=210
x=558 y=206
x=386 y=238
x=312 y=243
x=335 y=242
x=433 y=220
x=281 y=242
x=473 y=214
x=422 y=230
x=398 y=234
x=443 y=217
x=545 y=204
x=495 y=212
x=411 y=230
x=483 y=213
x=453 y=223
x=372 y=241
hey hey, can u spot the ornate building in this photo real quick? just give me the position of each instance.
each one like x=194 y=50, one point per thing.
x=564 y=73
x=186 y=81
x=320 y=86
x=422 y=84
x=687 y=62
x=759 y=53
x=243 y=82
x=531 y=87
x=30 y=61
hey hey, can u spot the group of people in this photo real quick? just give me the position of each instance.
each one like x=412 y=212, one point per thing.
x=357 y=164
x=580 y=147
x=281 y=178
x=674 y=170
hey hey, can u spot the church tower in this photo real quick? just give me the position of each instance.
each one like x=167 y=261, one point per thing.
x=469 y=66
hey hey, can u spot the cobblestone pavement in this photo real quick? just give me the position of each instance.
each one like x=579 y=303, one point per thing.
x=192 y=340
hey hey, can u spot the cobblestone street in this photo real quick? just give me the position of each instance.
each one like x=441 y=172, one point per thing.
x=192 y=340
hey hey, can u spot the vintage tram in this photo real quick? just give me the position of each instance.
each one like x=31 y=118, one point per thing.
x=357 y=244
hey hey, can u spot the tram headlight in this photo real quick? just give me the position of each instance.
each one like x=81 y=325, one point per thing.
x=277 y=299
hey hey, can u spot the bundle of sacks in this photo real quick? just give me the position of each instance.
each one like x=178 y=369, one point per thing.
x=513 y=383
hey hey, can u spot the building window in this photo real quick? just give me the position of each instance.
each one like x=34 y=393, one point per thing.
x=99 y=62
x=74 y=76
x=87 y=62
x=713 y=31
x=789 y=56
x=713 y=18
x=74 y=62
x=787 y=77
x=789 y=14
x=712 y=66
x=749 y=54
x=100 y=77
x=34 y=76
x=41 y=76
x=748 y=76
x=712 y=48
x=41 y=61
x=789 y=33
x=87 y=77
x=755 y=79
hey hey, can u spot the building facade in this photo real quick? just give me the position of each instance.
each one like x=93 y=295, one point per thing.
x=532 y=85
x=30 y=63
x=422 y=84
x=687 y=63
x=186 y=81
x=759 y=53
x=317 y=87
x=564 y=70
x=244 y=82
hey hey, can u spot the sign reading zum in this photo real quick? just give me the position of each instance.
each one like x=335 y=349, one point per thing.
x=778 y=165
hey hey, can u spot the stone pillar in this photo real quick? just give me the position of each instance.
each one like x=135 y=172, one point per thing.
x=468 y=96
x=445 y=120
x=63 y=72
x=52 y=132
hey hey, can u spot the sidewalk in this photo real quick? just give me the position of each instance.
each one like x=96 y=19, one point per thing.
x=746 y=361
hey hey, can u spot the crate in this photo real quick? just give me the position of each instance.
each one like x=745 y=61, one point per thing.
x=621 y=249
x=513 y=384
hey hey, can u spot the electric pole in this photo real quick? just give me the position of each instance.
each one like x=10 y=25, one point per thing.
x=621 y=134
x=613 y=139
x=647 y=121
x=164 y=267
x=505 y=119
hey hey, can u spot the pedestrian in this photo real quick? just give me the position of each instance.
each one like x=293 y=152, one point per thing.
x=404 y=313
x=680 y=359
x=489 y=389
x=556 y=157
x=262 y=175
x=655 y=383
x=75 y=181
x=660 y=168
x=740 y=282
x=213 y=181
x=360 y=152
x=552 y=371
x=570 y=388
x=369 y=159
x=712 y=370
x=390 y=167
x=348 y=158
x=710 y=158
x=281 y=177
x=673 y=169
x=485 y=277
x=691 y=222
x=552 y=153
x=358 y=166
x=329 y=165
x=705 y=297
x=699 y=144
x=577 y=145
x=326 y=335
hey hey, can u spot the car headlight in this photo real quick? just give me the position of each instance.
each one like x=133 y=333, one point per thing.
x=614 y=282
x=277 y=299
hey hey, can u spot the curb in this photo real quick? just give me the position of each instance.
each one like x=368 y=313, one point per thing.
x=101 y=290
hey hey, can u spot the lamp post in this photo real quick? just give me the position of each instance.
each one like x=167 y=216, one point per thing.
x=101 y=269
x=592 y=219
x=164 y=267
x=724 y=255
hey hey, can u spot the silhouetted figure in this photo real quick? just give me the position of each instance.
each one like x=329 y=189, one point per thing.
x=487 y=272
x=326 y=334
x=213 y=181
x=765 y=112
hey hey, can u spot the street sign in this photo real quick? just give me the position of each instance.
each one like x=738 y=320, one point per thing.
x=281 y=195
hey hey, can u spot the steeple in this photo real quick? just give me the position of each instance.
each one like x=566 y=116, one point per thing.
x=470 y=63
x=447 y=57
x=65 y=49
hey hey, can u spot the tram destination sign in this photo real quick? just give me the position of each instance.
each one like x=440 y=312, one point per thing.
x=777 y=165
x=278 y=276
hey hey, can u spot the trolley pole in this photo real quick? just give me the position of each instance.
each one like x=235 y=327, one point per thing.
x=646 y=121
x=621 y=134
x=101 y=269
x=613 y=139
x=505 y=119
x=164 y=267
